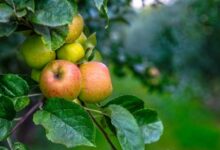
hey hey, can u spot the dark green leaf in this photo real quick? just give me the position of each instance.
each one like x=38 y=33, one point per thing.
x=22 y=4
x=31 y=83
x=21 y=13
x=21 y=102
x=54 y=38
x=5 y=13
x=13 y=86
x=150 y=125
x=53 y=12
x=3 y=148
x=129 y=102
x=6 y=108
x=5 y=127
x=102 y=7
x=66 y=123
x=19 y=146
x=128 y=132
x=7 y=29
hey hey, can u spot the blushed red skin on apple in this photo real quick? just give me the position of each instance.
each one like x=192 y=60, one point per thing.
x=62 y=79
x=96 y=82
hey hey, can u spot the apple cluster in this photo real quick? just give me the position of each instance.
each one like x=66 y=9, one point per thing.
x=58 y=71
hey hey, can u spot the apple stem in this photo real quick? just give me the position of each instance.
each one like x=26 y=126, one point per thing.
x=22 y=120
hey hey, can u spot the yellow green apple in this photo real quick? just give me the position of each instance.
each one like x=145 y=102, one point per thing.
x=72 y=52
x=35 y=52
x=75 y=28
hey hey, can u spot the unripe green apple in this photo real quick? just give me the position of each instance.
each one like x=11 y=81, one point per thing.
x=35 y=53
x=75 y=28
x=81 y=39
x=35 y=75
x=72 y=52
x=62 y=79
x=96 y=82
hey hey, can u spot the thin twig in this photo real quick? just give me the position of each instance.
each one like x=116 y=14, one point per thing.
x=9 y=143
x=103 y=131
x=33 y=109
x=99 y=126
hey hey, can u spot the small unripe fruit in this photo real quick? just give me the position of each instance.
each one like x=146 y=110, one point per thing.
x=35 y=52
x=35 y=74
x=96 y=82
x=72 y=52
x=75 y=29
x=62 y=79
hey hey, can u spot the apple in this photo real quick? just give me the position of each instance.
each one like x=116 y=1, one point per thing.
x=35 y=74
x=72 y=52
x=75 y=28
x=35 y=52
x=96 y=82
x=62 y=79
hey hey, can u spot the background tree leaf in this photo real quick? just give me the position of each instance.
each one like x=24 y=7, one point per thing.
x=150 y=125
x=47 y=13
x=128 y=132
x=66 y=123
x=5 y=13
x=103 y=9
x=129 y=102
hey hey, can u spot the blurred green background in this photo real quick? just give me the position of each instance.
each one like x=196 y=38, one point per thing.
x=165 y=52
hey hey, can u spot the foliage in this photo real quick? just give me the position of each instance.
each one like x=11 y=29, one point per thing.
x=65 y=122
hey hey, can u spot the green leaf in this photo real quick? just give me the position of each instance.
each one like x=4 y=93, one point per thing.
x=91 y=42
x=21 y=13
x=13 y=86
x=5 y=13
x=7 y=29
x=6 y=108
x=5 y=127
x=128 y=132
x=54 y=38
x=21 y=102
x=151 y=126
x=66 y=123
x=16 y=89
x=53 y=12
x=19 y=146
x=24 y=4
x=129 y=102
x=3 y=148
x=103 y=9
